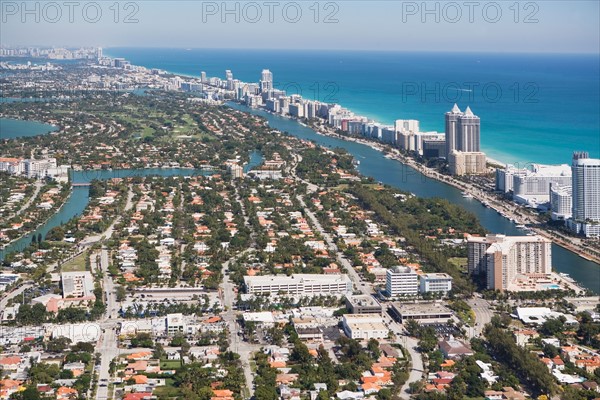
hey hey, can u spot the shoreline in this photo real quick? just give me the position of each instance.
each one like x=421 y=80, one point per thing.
x=39 y=226
x=504 y=208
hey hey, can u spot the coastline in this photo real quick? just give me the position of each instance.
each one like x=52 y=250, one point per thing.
x=38 y=226
x=504 y=208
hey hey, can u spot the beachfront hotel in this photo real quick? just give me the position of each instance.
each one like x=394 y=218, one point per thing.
x=462 y=130
x=586 y=195
x=463 y=143
x=504 y=258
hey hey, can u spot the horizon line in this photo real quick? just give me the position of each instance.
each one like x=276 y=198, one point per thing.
x=358 y=50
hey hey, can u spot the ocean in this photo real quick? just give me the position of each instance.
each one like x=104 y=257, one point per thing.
x=534 y=108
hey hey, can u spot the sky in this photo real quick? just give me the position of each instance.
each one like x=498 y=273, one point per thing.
x=465 y=25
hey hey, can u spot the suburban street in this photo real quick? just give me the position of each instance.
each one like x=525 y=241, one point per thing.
x=244 y=349
x=483 y=315
x=409 y=343
x=108 y=344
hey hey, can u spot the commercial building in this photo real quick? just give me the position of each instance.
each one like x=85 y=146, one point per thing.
x=586 y=195
x=453 y=348
x=401 y=281
x=364 y=326
x=561 y=201
x=77 y=284
x=362 y=304
x=435 y=283
x=467 y=163
x=175 y=323
x=298 y=284
x=424 y=313
x=504 y=258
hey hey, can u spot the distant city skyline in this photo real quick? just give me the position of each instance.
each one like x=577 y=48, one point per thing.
x=540 y=27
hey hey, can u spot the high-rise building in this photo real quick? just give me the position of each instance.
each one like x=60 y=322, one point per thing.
x=504 y=258
x=586 y=194
x=228 y=75
x=401 y=281
x=532 y=186
x=561 y=201
x=468 y=132
x=406 y=125
x=462 y=131
x=266 y=81
x=467 y=163
x=202 y=76
x=451 y=128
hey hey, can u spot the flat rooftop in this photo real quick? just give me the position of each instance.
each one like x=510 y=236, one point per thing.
x=420 y=308
x=362 y=300
x=294 y=279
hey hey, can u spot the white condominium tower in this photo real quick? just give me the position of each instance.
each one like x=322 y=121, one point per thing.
x=266 y=81
x=586 y=194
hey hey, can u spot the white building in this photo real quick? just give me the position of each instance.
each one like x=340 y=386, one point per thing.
x=364 y=326
x=586 y=194
x=77 y=284
x=503 y=258
x=298 y=284
x=533 y=186
x=401 y=281
x=406 y=125
x=435 y=282
x=561 y=201
x=505 y=177
x=175 y=323
x=38 y=168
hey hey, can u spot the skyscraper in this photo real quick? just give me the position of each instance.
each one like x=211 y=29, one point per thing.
x=462 y=131
x=586 y=194
x=467 y=132
x=202 y=76
x=228 y=75
x=266 y=81
x=451 y=122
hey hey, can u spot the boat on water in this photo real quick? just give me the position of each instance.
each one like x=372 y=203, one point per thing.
x=521 y=226
x=466 y=195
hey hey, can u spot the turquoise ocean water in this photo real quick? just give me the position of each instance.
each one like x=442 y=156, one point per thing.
x=533 y=108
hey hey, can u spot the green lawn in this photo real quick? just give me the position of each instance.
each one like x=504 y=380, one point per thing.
x=76 y=264
x=459 y=262
x=169 y=364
